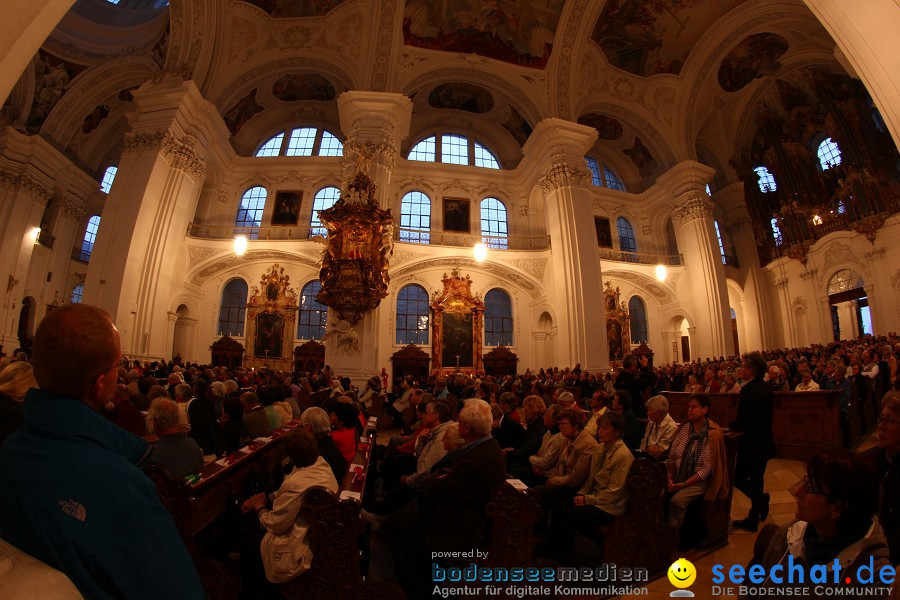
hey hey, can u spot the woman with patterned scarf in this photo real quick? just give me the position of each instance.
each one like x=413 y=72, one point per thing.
x=696 y=465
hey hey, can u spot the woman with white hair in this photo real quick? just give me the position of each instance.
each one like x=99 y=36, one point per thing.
x=661 y=428
x=317 y=422
x=15 y=380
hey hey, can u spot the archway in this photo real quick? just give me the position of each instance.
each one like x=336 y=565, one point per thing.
x=182 y=328
x=680 y=331
x=850 y=314
x=545 y=341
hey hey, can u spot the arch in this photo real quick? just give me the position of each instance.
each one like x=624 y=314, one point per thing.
x=844 y=280
x=412 y=316
x=233 y=308
x=324 y=199
x=545 y=340
x=109 y=175
x=312 y=316
x=181 y=335
x=498 y=318
x=637 y=310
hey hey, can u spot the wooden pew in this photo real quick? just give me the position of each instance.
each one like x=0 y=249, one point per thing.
x=803 y=423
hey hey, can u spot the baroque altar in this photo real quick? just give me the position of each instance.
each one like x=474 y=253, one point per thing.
x=271 y=322
x=618 y=325
x=457 y=325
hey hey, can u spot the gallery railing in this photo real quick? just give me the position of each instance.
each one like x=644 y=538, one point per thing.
x=416 y=236
x=641 y=259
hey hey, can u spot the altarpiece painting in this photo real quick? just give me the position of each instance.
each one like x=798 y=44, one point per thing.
x=457 y=326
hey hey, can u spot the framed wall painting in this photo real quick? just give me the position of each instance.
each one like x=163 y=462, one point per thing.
x=287 y=208
x=456 y=215
x=604 y=234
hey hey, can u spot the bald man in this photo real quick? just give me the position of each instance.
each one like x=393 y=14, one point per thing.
x=71 y=490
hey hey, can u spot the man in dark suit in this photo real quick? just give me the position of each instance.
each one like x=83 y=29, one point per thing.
x=757 y=445
x=509 y=432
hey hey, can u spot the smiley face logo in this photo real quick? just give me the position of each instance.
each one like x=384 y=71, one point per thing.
x=682 y=573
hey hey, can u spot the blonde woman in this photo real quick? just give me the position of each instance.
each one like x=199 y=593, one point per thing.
x=15 y=381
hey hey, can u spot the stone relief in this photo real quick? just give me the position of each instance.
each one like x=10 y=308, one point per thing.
x=695 y=207
x=533 y=266
x=837 y=254
x=197 y=254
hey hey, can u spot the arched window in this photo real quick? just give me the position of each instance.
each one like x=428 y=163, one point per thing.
x=721 y=245
x=708 y=191
x=454 y=149
x=594 y=168
x=412 y=315
x=627 y=242
x=90 y=235
x=415 y=218
x=493 y=224
x=612 y=180
x=108 y=177
x=776 y=231
x=233 y=308
x=302 y=141
x=77 y=293
x=250 y=211
x=498 y=321
x=638 y=314
x=325 y=198
x=829 y=154
x=313 y=316
x=766 y=180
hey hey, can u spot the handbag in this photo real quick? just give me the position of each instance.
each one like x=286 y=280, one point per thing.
x=286 y=555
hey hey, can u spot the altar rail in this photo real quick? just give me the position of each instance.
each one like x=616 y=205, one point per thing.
x=803 y=423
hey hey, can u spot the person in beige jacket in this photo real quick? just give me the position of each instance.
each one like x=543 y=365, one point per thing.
x=603 y=497
x=574 y=463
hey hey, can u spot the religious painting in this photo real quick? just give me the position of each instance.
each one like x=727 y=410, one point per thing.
x=517 y=126
x=242 y=112
x=756 y=56
x=289 y=9
x=461 y=96
x=269 y=335
x=604 y=235
x=456 y=215
x=641 y=157
x=456 y=349
x=296 y=87
x=516 y=31
x=614 y=339
x=647 y=38
x=287 y=208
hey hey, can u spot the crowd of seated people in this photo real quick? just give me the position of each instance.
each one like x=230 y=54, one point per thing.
x=574 y=452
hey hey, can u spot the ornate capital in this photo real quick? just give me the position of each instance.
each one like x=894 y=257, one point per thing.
x=693 y=206
x=74 y=208
x=183 y=153
x=362 y=155
x=24 y=183
x=560 y=175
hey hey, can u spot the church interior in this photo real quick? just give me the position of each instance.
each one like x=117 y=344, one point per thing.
x=385 y=185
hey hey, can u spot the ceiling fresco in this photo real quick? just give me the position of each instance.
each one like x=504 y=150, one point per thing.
x=756 y=56
x=296 y=8
x=294 y=87
x=648 y=38
x=607 y=128
x=461 y=96
x=516 y=31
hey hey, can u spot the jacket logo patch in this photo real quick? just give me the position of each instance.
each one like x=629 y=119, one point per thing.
x=74 y=509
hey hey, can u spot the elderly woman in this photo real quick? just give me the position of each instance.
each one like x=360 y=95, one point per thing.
x=661 y=428
x=15 y=380
x=693 y=385
x=574 y=463
x=731 y=385
x=696 y=464
x=541 y=463
x=283 y=522
x=603 y=496
x=836 y=500
x=316 y=421
x=174 y=450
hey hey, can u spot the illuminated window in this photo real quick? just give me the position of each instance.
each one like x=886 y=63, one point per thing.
x=612 y=180
x=250 y=211
x=424 y=150
x=90 y=235
x=776 y=231
x=324 y=199
x=484 y=158
x=605 y=176
x=77 y=294
x=108 y=177
x=493 y=224
x=312 y=316
x=766 y=180
x=721 y=245
x=708 y=191
x=454 y=149
x=829 y=154
x=498 y=321
x=415 y=218
x=233 y=308
x=627 y=242
x=638 y=313
x=302 y=141
x=412 y=315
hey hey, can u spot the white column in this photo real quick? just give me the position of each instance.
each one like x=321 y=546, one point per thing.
x=375 y=123
x=707 y=296
x=557 y=148
x=143 y=225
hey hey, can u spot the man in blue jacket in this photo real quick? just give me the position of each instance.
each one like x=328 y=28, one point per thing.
x=71 y=492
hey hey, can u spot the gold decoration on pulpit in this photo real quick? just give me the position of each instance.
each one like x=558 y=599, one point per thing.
x=618 y=324
x=457 y=325
x=354 y=272
x=271 y=321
